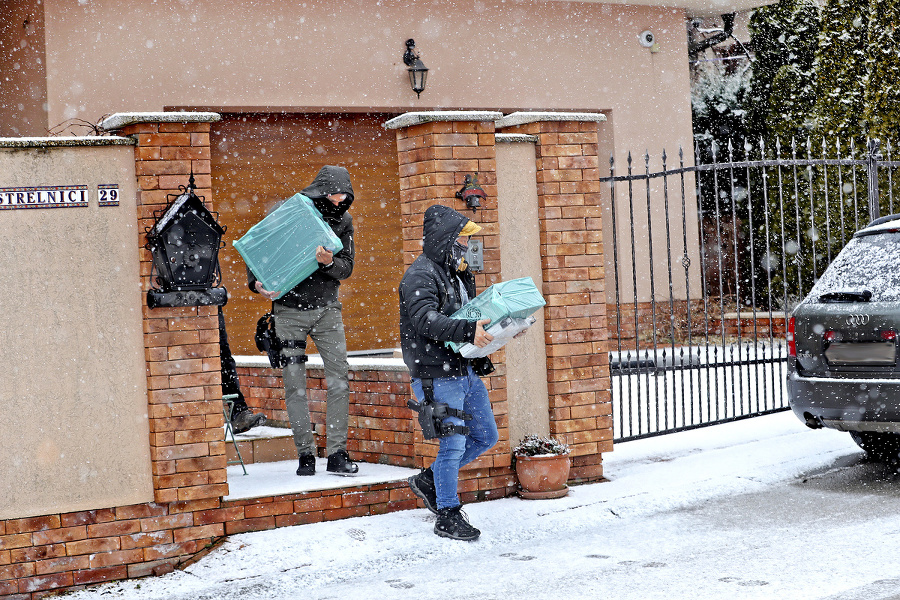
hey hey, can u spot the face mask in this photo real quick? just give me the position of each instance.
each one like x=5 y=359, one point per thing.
x=458 y=256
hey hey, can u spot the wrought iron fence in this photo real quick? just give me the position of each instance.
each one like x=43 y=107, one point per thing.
x=708 y=259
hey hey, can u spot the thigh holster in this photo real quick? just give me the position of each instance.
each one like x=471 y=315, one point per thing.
x=295 y=345
x=432 y=414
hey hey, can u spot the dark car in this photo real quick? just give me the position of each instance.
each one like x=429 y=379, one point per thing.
x=842 y=343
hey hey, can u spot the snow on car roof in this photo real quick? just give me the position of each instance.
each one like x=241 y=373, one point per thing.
x=887 y=223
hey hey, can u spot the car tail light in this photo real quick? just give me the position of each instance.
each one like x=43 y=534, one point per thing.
x=792 y=343
x=889 y=336
x=829 y=336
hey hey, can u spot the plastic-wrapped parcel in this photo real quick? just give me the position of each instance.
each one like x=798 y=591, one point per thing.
x=507 y=304
x=502 y=331
x=280 y=250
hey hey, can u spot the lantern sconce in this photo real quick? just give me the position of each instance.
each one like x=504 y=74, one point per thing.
x=472 y=193
x=418 y=72
x=184 y=243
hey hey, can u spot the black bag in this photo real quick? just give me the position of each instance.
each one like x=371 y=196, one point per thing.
x=267 y=340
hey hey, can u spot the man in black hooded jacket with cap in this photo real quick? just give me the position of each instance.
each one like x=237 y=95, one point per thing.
x=312 y=309
x=435 y=286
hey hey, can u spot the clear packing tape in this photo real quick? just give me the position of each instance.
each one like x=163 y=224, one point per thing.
x=509 y=305
x=280 y=250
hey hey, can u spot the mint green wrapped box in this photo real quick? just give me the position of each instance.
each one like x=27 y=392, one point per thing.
x=280 y=250
x=516 y=298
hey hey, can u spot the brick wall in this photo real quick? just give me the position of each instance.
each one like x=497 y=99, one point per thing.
x=187 y=443
x=434 y=158
x=44 y=555
x=569 y=203
x=381 y=425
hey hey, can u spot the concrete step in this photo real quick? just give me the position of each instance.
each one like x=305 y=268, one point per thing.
x=261 y=445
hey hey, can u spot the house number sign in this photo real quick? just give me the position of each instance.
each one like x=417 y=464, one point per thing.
x=56 y=196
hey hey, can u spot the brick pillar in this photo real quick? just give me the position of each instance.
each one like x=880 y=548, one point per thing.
x=187 y=440
x=571 y=232
x=436 y=150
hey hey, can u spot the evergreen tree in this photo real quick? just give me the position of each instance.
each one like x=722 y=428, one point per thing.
x=841 y=70
x=717 y=102
x=793 y=95
x=784 y=37
x=882 y=89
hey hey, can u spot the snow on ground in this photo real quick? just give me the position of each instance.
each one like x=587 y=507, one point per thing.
x=750 y=509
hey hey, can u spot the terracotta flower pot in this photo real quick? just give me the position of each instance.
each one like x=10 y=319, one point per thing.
x=543 y=476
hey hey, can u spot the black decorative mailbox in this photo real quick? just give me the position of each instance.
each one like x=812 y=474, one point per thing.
x=185 y=243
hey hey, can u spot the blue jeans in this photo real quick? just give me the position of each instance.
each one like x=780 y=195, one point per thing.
x=465 y=393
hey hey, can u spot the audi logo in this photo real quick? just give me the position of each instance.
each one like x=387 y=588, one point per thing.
x=856 y=320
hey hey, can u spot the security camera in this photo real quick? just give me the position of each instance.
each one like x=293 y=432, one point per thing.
x=647 y=38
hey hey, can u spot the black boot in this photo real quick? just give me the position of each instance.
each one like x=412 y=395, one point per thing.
x=339 y=463
x=245 y=419
x=452 y=523
x=422 y=486
x=307 y=464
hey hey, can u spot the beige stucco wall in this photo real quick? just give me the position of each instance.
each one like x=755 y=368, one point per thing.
x=144 y=55
x=520 y=256
x=23 y=88
x=269 y=55
x=73 y=386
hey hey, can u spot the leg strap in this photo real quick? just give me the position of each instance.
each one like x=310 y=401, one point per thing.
x=433 y=413
x=294 y=345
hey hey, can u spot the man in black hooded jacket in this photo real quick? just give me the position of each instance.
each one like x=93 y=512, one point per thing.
x=312 y=309
x=435 y=286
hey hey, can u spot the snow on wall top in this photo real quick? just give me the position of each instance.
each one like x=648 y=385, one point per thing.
x=119 y=120
x=357 y=363
x=63 y=142
x=417 y=118
x=521 y=118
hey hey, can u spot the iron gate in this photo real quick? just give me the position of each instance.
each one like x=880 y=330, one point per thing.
x=709 y=259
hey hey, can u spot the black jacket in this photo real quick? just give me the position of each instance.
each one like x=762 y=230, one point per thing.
x=321 y=288
x=429 y=292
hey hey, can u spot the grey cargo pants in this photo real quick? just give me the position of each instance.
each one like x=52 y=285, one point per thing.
x=326 y=328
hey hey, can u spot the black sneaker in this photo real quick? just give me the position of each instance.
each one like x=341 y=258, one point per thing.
x=246 y=420
x=339 y=463
x=422 y=486
x=307 y=464
x=452 y=523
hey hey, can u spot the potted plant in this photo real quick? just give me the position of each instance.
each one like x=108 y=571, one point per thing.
x=542 y=467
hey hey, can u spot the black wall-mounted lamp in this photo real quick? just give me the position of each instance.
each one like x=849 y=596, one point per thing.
x=471 y=192
x=184 y=243
x=418 y=72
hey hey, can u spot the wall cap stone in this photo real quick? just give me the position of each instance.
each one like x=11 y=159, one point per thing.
x=65 y=142
x=120 y=120
x=510 y=138
x=522 y=118
x=417 y=118
x=315 y=362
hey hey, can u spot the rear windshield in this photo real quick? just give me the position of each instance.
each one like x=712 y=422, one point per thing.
x=869 y=263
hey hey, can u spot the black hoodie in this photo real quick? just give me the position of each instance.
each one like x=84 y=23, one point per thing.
x=321 y=288
x=429 y=293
